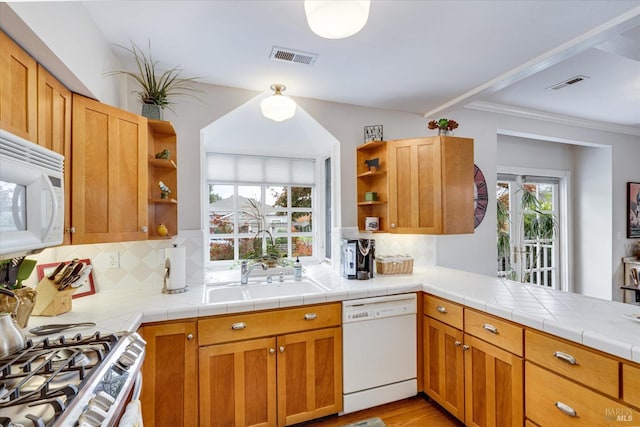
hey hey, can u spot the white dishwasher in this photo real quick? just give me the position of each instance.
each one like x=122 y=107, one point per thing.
x=379 y=350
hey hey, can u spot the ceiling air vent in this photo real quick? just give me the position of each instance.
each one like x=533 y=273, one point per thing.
x=568 y=82
x=290 y=55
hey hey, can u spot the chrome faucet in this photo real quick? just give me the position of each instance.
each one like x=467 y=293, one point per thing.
x=245 y=270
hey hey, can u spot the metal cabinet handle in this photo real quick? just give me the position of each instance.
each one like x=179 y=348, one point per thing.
x=566 y=409
x=465 y=347
x=272 y=351
x=281 y=349
x=71 y=230
x=310 y=316
x=565 y=357
x=393 y=225
x=144 y=229
x=190 y=337
x=490 y=328
x=441 y=309
x=458 y=343
x=239 y=325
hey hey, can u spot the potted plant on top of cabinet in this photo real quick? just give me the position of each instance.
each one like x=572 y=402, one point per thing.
x=156 y=89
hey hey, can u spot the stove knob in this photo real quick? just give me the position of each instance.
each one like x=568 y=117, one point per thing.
x=127 y=358
x=102 y=400
x=93 y=417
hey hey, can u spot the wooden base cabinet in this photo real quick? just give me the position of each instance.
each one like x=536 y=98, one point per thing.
x=553 y=400
x=169 y=375
x=493 y=385
x=479 y=382
x=444 y=366
x=273 y=381
x=238 y=383
x=309 y=375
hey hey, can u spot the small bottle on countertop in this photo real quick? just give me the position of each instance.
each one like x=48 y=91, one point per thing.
x=297 y=269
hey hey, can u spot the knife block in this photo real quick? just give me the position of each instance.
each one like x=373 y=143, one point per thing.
x=50 y=301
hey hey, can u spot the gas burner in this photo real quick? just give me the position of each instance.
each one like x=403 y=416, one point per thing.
x=50 y=382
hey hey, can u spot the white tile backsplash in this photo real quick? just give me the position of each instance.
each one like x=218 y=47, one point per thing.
x=140 y=262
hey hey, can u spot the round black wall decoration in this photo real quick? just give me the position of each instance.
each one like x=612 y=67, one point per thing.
x=480 y=196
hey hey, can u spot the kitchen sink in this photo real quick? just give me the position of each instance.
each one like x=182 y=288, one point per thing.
x=259 y=289
x=284 y=289
x=224 y=293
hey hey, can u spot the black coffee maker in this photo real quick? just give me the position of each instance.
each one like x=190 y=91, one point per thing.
x=357 y=258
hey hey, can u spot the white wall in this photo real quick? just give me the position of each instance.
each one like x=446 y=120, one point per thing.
x=73 y=39
x=592 y=230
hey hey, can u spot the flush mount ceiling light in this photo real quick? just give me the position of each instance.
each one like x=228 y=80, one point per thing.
x=336 y=19
x=278 y=107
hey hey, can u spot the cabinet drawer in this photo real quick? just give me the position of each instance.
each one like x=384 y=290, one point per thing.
x=552 y=400
x=573 y=361
x=498 y=332
x=252 y=325
x=443 y=310
x=631 y=384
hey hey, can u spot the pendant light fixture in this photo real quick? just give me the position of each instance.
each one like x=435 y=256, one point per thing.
x=278 y=107
x=336 y=19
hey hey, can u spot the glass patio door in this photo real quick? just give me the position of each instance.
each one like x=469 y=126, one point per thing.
x=528 y=213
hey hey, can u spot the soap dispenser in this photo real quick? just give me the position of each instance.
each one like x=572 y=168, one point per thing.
x=297 y=269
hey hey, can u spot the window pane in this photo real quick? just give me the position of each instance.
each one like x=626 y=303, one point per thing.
x=302 y=246
x=245 y=247
x=301 y=197
x=276 y=197
x=282 y=245
x=221 y=249
x=221 y=209
x=278 y=222
x=300 y=222
x=545 y=196
x=250 y=210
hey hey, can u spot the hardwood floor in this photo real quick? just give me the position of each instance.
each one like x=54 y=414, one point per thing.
x=413 y=412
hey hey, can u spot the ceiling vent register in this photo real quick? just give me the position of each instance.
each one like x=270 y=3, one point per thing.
x=568 y=82
x=291 y=55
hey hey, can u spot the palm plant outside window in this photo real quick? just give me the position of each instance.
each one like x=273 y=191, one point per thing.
x=528 y=247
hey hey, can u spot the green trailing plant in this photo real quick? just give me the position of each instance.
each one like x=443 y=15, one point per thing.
x=157 y=87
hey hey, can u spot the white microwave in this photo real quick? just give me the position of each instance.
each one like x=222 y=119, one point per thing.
x=31 y=197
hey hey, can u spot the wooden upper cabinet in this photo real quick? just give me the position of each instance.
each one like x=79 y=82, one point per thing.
x=18 y=90
x=431 y=185
x=109 y=168
x=54 y=130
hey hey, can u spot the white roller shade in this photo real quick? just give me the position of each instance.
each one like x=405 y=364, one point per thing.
x=267 y=170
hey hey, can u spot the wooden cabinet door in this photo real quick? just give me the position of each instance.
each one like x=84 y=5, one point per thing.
x=54 y=130
x=238 y=383
x=493 y=385
x=109 y=169
x=18 y=90
x=444 y=366
x=309 y=375
x=431 y=185
x=169 y=376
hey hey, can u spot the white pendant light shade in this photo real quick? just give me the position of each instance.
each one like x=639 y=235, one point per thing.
x=278 y=107
x=336 y=19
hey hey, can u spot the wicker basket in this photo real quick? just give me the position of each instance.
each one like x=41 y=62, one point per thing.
x=396 y=264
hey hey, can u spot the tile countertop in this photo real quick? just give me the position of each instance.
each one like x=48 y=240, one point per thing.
x=594 y=322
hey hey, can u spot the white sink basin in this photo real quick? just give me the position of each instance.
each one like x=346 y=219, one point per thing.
x=224 y=293
x=284 y=289
x=259 y=289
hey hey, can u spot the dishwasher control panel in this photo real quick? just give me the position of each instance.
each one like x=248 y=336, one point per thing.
x=377 y=308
